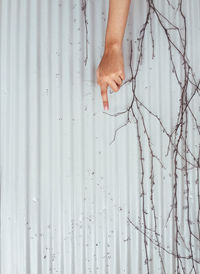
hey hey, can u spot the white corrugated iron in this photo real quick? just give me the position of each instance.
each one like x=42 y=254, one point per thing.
x=77 y=194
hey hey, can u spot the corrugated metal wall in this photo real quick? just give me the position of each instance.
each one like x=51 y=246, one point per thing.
x=78 y=195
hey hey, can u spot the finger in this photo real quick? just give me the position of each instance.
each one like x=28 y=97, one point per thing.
x=118 y=80
x=122 y=75
x=113 y=85
x=104 y=96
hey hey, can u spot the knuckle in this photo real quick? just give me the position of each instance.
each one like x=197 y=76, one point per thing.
x=102 y=82
x=122 y=74
x=106 y=78
x=119 y=72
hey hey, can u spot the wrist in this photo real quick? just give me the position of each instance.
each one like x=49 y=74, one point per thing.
x=112 y=46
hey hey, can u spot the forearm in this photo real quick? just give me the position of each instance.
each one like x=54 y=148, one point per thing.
x=116 y=24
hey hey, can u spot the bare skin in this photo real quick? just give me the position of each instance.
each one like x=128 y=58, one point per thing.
x=110 y=71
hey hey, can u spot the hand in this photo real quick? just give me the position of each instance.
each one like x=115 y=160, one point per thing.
x=110 y=72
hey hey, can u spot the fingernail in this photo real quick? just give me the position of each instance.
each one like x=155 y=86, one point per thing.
x=106 y=107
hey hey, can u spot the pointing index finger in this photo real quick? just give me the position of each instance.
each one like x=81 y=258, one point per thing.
x=104 y=95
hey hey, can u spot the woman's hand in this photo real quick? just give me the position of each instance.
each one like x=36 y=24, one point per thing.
x=111 y=68
x=110 y=71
